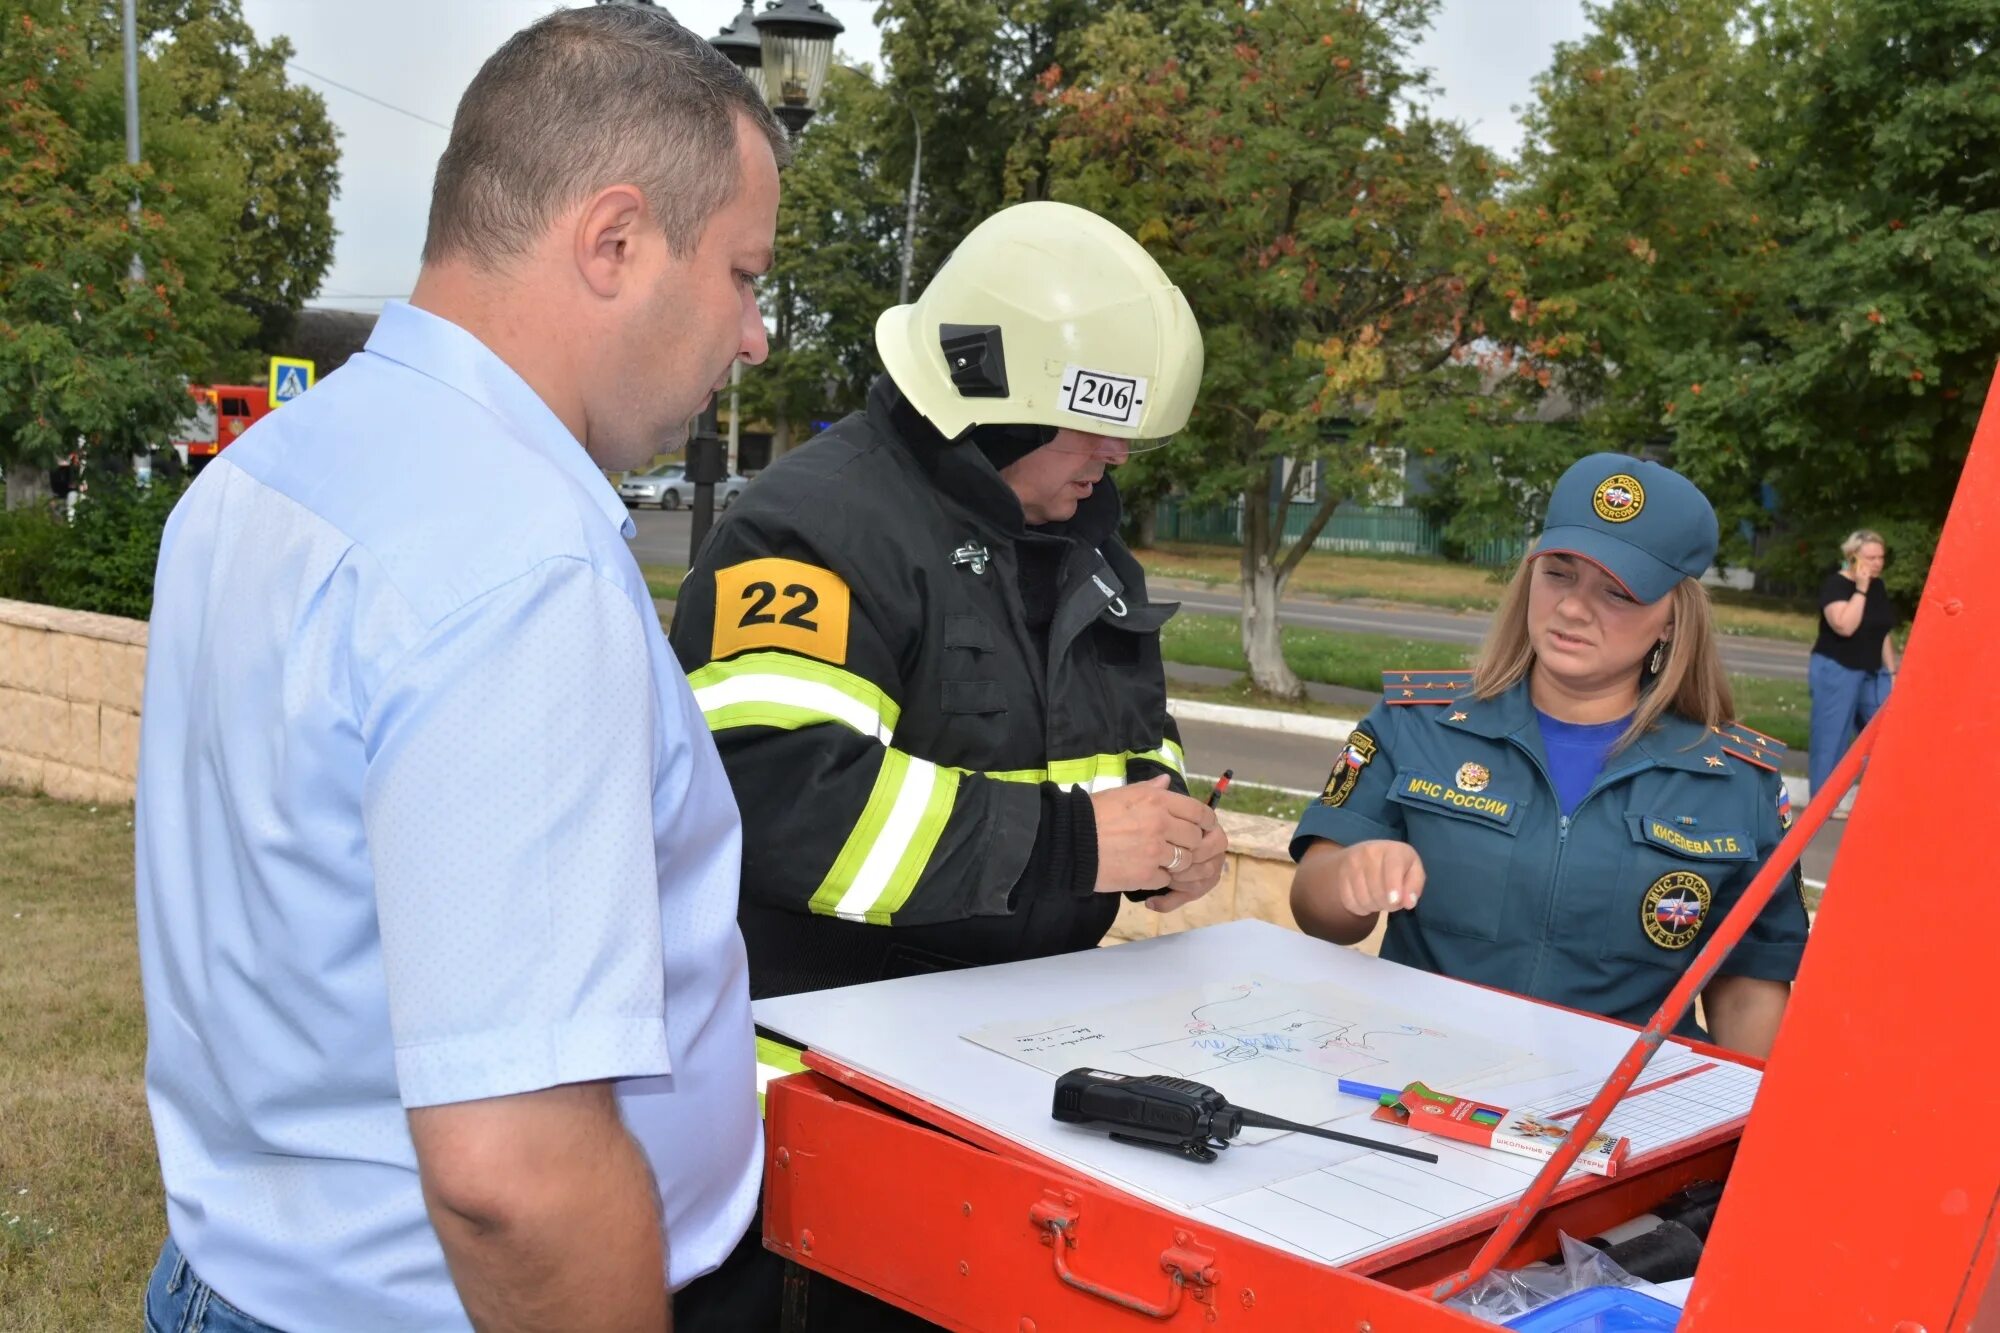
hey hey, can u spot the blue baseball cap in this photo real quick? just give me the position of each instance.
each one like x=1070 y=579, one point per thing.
x=1646 y=525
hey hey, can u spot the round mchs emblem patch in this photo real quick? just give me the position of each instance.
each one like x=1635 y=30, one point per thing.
x=1472 y=777
x=1674 y=908
x=1619 y=498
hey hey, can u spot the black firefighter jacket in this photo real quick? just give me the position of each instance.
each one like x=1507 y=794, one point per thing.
x=853 y=631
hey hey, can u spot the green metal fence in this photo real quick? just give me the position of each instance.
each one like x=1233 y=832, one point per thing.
x=1354 y=529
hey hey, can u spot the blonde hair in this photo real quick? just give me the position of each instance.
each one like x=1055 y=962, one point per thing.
x=1691 y=681
x=1857 y=539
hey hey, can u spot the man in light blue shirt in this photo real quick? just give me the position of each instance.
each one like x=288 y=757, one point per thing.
x=437 y=866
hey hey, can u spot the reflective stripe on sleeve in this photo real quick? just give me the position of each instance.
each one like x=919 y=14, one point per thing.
x=885 y=855
x=1097 y=772
x=786 y=691
x=1169 y=755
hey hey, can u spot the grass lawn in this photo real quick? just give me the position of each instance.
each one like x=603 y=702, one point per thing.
x=1248 y=800
x=1421 y=581
x=81 y=1210
x=1354 y=660
x=1775 y=707
x=664 y=581
x=1414 y=579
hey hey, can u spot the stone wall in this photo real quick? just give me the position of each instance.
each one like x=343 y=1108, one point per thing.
x=70 y=683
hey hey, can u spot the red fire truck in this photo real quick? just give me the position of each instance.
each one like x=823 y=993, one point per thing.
x=222 y=412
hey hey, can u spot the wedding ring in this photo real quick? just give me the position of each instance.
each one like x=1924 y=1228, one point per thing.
x=1174 y=864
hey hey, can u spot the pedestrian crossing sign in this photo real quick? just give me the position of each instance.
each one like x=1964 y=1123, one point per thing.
x=290 y=377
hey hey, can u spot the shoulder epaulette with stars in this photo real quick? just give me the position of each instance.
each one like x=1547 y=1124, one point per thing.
x=1424 y=687
x=1752 y=747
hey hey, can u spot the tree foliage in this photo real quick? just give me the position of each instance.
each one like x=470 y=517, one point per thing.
x=274 y=150
x=85 y=354
x=840 y=222
x=1638 y=236
x=234 y=230
x=1269 y=157
x=1854 y=393
x=969 y=71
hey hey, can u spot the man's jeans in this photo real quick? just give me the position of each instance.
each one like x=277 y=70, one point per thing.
x=177 y=1301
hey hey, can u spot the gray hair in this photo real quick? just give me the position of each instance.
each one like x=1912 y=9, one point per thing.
x=580 y=100
x=1857 y=539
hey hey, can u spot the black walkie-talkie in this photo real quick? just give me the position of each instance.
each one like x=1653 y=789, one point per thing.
x=1178 y=1114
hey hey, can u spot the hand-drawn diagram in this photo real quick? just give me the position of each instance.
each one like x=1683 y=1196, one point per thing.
x=1270 y=1045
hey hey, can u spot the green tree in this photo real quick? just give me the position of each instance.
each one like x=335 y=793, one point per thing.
x=235 y=232
x=86 y=355
x=969 y=71
x=1639 y=236
x=264 y=146
x=1855 y=392
x=839 y=235
x=1267 y=156
x=1647 y=229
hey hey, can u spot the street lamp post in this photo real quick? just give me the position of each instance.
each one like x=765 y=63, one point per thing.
x=740 y=43
x=130 y=26
x=797 y=41
x=785 y=51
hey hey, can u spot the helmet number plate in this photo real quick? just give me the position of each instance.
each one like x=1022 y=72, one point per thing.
x=1117 y=399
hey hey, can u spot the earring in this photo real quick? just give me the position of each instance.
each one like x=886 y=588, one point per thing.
x=1659 y=657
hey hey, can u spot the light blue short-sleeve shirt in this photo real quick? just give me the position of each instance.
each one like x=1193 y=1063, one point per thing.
x=426 y=814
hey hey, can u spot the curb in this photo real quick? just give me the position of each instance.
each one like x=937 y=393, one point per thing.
x=1264 y=719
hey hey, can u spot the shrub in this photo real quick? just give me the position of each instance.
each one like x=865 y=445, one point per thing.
x=102 y=560
x=28 y=539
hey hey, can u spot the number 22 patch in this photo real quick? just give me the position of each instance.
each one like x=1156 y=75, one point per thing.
x=778 y=603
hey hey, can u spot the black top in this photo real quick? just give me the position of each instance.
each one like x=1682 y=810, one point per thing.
x=1861 y=650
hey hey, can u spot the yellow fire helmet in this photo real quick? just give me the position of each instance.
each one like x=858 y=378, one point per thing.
x=1047 y=315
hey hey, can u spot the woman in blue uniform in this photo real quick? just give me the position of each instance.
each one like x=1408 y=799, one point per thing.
x=1569 y=819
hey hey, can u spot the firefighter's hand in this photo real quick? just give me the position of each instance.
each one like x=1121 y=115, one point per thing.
x=1147 y=834
x=1380 y=875
x=1199 y=875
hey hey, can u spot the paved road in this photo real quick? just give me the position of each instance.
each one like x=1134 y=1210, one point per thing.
x=663 y=539
x=663 y=536
x=1301 y=763
x=1750 y=657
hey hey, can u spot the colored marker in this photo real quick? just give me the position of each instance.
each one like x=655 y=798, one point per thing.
x=1221 y=786
x=1374 y=1093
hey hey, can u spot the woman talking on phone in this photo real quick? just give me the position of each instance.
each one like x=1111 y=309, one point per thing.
x=1570 y=818
x=1853 y=660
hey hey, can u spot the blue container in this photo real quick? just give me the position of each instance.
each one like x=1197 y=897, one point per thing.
x=1601 y=1310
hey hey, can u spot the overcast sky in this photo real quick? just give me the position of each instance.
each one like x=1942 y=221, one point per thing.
x=1483 y=53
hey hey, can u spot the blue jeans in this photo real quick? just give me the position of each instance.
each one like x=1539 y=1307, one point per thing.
x=178 y=1301
x=1843 y=702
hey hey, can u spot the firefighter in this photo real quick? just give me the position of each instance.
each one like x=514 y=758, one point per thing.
x=929 y=663
x=1571 y=817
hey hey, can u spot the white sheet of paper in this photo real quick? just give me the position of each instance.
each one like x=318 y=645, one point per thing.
x=1313 y=1197
x=1265 y=1044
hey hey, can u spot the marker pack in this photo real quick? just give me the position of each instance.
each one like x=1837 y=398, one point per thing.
x=1522 y=1133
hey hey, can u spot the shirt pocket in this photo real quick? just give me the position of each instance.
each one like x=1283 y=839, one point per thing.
x=1673 y=879
x=1468 y=842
